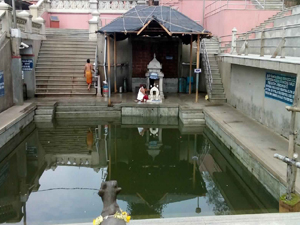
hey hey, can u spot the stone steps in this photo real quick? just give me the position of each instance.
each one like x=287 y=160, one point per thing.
x=60 y=64
x=45 y=112
x=191 y=116
x=216 y=93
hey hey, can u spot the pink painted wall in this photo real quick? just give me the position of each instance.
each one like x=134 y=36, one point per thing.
x=70 y=20
x=107 y=18
x=224 y=21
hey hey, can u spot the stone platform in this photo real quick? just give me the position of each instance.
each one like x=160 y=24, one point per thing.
x=253 y=219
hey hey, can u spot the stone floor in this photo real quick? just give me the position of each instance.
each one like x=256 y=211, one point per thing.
x=254 y=138
x=128 y=98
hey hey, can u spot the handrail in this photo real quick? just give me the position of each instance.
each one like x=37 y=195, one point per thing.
x=261 y=4
x=218 y=6
x=207 y=67
x=98 y=86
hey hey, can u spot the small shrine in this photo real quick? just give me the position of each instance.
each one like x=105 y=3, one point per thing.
x=155 y=80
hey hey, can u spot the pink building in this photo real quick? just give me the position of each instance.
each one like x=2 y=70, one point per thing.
x=219 y=16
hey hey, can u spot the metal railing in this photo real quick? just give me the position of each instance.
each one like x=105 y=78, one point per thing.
x=220 y=5
x=97 y=84
x=207 y=69
x=260 y=35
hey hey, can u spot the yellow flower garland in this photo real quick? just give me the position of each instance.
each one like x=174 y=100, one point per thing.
x=122 y=216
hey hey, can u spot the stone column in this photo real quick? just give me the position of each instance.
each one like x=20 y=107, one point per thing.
x=7 y=19
x=93 y=5
x=233 y=42
x=142 y=2
x=34 y=11
x=93 y=25
x=28 y=17
x=161 y=83
x=41 y=21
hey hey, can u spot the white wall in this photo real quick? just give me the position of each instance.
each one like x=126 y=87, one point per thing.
x=244 y=87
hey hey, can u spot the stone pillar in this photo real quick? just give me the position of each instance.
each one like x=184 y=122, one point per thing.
x=16 y=67
x=41 y=21
x=7 y=19
x=34 y=11
x=24 y=14
x=93 y=25
x=142 y=2
x=93 y=5
x=233 y=42
x=161 y=83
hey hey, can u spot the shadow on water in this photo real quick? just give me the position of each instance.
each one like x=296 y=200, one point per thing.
x=50 y=173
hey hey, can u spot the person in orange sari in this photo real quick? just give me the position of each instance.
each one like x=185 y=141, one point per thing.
x=88 y=68
x=89 y=139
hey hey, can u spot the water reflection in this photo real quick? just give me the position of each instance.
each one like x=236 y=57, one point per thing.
x=52 y=174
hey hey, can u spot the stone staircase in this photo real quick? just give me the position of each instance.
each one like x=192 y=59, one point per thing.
x=267 y=22
x=217 y=93
x=285 y=24
x=268 y=4
x=61 y=60
x=45 y=112
x=77 y=110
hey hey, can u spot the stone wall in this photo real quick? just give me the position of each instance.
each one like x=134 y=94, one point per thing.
x=166 y=51
x=6 y=101
x=244 y=87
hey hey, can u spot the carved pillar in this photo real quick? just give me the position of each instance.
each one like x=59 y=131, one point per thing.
x=33 y=11
x=233 y=42
x=7 y=19
x=93 y=25
x=161 y=83
x=93 y=5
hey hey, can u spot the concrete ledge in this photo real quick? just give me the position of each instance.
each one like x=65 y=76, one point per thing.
x=253 y=144
x=148 y=121
x=150 y=111
x=15 y=119
x=288 y=64
x=251 y=219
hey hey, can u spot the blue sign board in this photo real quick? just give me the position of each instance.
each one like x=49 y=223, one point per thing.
x=27 y=64
x=280 y=87
x=153 y=76
x=1 y=83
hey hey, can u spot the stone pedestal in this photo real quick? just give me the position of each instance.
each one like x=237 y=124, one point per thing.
x=41 y=21
x=93 y=25
x=24 y=14
x=289 y=206
x=7 y=19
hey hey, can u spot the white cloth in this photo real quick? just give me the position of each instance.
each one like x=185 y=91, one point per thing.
x=140 y=95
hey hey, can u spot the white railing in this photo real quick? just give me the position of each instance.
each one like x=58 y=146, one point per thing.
x=254 y=42
x=207 y=69
x=36 y=28
x=116 y=5
x=70 y=4
x=220 y=5
x=21 y=23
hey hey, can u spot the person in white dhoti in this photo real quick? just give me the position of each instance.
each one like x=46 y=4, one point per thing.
x=142 y=96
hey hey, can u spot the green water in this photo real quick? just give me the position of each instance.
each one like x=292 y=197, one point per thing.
x=50 y=174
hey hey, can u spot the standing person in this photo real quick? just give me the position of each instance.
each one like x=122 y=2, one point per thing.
x=88 y=68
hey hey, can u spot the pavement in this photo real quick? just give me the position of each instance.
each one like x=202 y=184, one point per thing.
x=253 y=219
x=14 y=114
x=259 y=141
